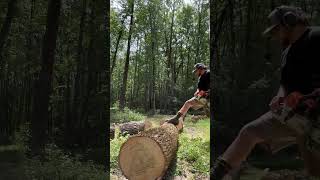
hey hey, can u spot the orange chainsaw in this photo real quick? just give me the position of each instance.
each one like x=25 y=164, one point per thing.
x=301 y=113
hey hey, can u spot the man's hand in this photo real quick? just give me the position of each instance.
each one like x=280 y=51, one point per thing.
x=202 y=93
x=196 y=93
x=276 y=103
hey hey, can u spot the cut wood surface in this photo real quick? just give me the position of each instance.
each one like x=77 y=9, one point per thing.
x=148 y=154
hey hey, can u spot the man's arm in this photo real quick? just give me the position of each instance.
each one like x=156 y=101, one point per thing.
x=281 y=92
x=275 y=102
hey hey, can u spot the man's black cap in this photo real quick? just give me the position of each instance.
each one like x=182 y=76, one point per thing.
x=277 y=16
x=199 y=66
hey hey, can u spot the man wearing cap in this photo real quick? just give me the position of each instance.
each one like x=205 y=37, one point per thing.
x=200 y=96
x=300 y=72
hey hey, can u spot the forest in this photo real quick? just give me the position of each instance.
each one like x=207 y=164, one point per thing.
x=53 y=89
x=154 y=47
x=246 y=69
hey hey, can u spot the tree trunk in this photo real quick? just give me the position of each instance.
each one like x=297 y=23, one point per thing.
x=43 y=86
x=198 y=56
x=114 y=58
x=4 y=33
x=153 y=151
x=70 y=124
x=126 y=66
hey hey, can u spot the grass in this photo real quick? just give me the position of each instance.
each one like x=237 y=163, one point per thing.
x=194 y=147
x=61 y=165
x=58 y=163
x=126 y=115
x=115 y=145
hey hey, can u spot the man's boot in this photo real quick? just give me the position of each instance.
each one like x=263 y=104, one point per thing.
x=175 y=119
x=219 y=169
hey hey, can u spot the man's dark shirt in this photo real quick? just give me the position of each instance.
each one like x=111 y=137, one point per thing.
x=204 y=81
x=301 y=63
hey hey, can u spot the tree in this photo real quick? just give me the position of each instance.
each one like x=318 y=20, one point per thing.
x=43 y=86
x=4 y=33
x=126 y=67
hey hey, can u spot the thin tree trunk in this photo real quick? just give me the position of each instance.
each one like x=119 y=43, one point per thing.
x=126 y=66
x=199 y=34
x=80 y=70
x=43 y=86
x=4 y=33
x=117 y=45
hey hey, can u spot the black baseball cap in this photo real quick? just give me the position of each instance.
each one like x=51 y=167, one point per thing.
x=199 y=66
x=277 y=15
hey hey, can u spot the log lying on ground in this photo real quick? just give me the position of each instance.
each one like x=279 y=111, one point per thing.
x=112 y=131
x=134 y=127
x=130 y=128
x=148 y=154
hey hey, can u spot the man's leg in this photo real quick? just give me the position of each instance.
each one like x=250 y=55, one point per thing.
x=183 y=111
x=241 y=147
x=262 y=129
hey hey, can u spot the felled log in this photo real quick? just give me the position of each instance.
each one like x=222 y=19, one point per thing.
x=134 y=127
x=112 y=131
x=148 y=154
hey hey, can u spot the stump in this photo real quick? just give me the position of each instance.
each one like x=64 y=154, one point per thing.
x=148 y=154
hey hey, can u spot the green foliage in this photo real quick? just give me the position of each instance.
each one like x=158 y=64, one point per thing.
x=23 y=137
x=168 y=37
x=118 y=116
x=61 y=165
x=115 y=145
x=195 y=151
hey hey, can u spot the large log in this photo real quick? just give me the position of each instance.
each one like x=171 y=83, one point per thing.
x=148 y=154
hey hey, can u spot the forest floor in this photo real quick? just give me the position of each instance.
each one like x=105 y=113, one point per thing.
x=11 y=163
x=195 y=127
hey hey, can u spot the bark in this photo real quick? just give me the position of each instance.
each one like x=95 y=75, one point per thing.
x=43 y=85
x=132 y=127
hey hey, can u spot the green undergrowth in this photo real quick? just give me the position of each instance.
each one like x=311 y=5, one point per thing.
x=56 y=164
x=115 y=145
x=118 y=116
x=61 y=165
x=195 y=151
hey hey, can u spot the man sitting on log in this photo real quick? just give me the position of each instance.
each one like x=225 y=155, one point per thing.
x=201 y=96
x=300 y=76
